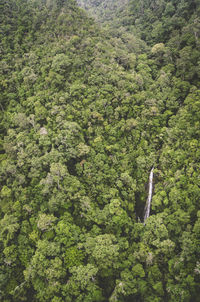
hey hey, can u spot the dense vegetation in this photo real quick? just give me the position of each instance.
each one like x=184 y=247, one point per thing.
x=86 y=112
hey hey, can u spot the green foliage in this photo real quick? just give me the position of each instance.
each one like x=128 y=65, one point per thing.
x=87 y=109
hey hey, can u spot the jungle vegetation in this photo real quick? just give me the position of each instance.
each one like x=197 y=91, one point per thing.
x=94 y=95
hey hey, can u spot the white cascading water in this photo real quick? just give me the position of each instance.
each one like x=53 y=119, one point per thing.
x=148 y=204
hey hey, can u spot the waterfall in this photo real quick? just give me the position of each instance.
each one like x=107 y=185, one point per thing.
x=148 y=203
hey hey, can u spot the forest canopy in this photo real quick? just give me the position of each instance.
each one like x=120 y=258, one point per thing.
x=94 y=94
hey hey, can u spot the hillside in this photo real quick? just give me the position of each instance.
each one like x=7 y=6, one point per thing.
x=89 y=104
